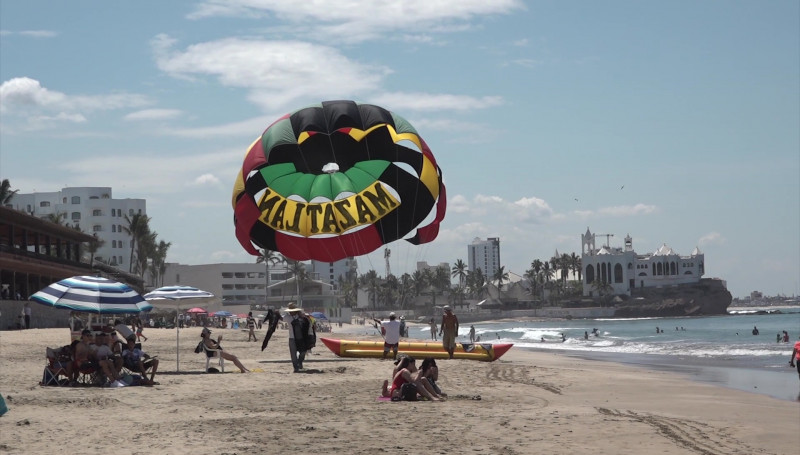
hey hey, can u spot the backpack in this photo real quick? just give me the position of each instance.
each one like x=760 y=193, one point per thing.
x=408 y=392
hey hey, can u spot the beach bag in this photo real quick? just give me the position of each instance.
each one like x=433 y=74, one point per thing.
x=199 y=348
x=408 y=392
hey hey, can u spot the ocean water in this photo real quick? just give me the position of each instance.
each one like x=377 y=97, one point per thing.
x=716 y=349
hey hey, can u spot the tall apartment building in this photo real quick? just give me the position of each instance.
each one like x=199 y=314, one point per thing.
x=484 y=255
x=93 y=211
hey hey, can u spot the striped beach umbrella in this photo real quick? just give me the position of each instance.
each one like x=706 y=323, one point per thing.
x=92 y=294
x=177 y=298
x=177 y=295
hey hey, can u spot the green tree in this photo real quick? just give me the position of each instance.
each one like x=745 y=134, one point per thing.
x=577 y=268
x=459 y=271
x=159 y=265
x=500 y=275
x=56 y=218
x=138 y=227
x=93 y=246
x=268 y=257
x=298 y=271
x=371 y=283
x=6 y=193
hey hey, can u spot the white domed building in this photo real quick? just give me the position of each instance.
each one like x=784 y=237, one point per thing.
x=620 y=270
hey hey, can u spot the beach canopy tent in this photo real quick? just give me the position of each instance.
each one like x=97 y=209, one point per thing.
x=222 y=314
x=196 y=310
x=319 y=315
x=92 y=294
x=177 y=298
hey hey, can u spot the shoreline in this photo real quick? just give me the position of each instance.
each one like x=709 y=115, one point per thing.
x=531 y=402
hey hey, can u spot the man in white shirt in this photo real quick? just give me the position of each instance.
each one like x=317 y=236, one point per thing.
x=391 y=335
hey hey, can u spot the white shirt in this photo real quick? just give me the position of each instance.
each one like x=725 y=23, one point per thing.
x=392 y=328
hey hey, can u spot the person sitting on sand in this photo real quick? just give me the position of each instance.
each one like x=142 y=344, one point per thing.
x=136 y=360
x=406 y=374
x=104 y=357
x=211 y=344
x=430 y=371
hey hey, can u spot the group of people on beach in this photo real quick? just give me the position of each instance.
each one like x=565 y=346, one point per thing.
x=109 y=357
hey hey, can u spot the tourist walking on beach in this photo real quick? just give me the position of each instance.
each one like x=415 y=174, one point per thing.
x=796 y=356
x=472 y=334
x=449 y=329
x=251 y=327
x=299 y=330
x=433 y=329
x=391 y=335
x=27 y=311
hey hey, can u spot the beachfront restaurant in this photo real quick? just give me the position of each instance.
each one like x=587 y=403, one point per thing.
x=33 y=254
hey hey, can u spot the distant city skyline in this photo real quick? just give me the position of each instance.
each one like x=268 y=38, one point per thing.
x=675 y=123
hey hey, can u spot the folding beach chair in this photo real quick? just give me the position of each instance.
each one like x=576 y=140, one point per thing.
x=210 y=354
x=54 y=368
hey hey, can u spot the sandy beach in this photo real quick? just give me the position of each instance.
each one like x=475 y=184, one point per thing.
x=530 y=402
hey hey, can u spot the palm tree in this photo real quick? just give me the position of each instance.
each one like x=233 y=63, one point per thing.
x=6 y=193
x=159 y=267
x=94 y=245
x=565 y=265
x=370 y=281
x=145 y=249
x=56 y=218
x=298 y=270
x=575 y=263
x=500 y=275
x=459 y=270
x=268 y=257
x=475 y=282
x=419 y=282
x=534 y=274
x=138 y=226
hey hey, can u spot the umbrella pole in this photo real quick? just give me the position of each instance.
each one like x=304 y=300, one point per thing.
x=177 y=342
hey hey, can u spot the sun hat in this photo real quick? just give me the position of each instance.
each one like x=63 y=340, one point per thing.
x=391 y=314
x=447 y=308
x=291 y=308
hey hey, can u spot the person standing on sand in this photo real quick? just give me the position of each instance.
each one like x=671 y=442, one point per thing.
x=27 y=311
x=433 y=329
x=796 y=356
x=391 y=335
x=472 y=334
x=448 y=329
x=251 y=327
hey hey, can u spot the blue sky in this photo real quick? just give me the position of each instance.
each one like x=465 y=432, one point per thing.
x=693 y=106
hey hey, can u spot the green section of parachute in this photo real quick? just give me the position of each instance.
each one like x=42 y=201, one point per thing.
x=285 y=180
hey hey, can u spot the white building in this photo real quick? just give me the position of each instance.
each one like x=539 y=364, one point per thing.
x=329 y=272
x=241 y=286
x=484 y=255
x=93 y=211
x=624 y=270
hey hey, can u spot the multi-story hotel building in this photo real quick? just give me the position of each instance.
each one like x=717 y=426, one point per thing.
x=93 y=211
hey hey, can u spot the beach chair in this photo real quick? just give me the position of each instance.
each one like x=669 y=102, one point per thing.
x=54 y=368
x=212 y=353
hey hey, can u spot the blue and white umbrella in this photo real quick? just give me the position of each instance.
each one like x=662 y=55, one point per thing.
x=178 y=298
x=178 y=295
x=92 y=294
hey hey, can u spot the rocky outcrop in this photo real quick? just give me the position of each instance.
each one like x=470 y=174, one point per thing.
x=708 y=297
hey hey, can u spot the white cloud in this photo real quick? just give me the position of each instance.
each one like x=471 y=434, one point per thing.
x=276 y=73
x=206 y=179
x=154 y=114
x=618 y=211
x=435 y=102
x=21 y=93
x=39 y=33
x=711 y=238
x=527 y=209
x=360 y=20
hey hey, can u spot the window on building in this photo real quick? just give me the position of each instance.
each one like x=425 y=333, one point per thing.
x=76 y=199
x=97 y=228
x=130 y=212
x=113 y=212
x=76 y=216
x=227 y=275
x=113 y=228
x=44 y=204
x=97 y=212
x=240 y=274
x=113 y=244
